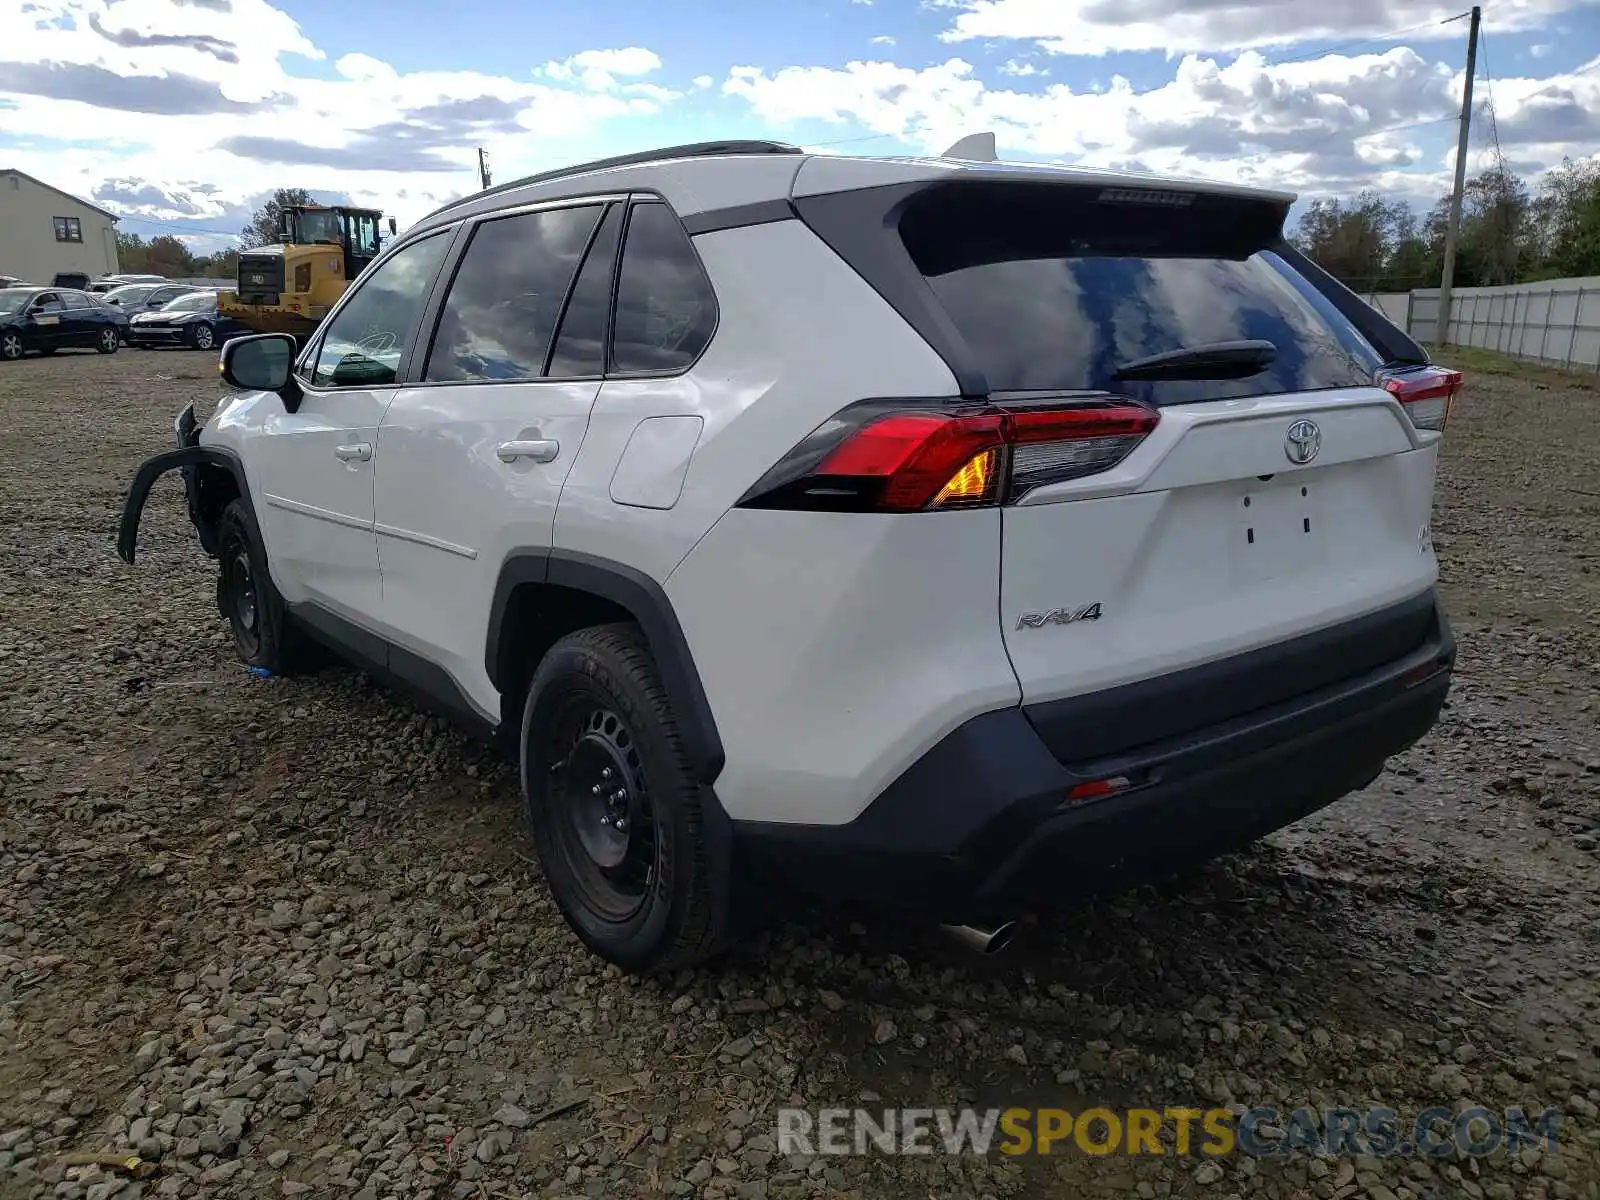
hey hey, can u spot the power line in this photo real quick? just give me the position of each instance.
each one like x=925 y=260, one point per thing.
x=872 y=137
x=1382 y=37
x=1357 y=136
x=1550 y=87
x=172 y=227
x=1488 y=92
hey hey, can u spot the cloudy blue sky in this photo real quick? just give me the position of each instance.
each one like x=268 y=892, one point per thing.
x=182 y=115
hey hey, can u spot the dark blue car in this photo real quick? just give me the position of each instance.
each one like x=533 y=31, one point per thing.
x=191 y=321
x=44 y=320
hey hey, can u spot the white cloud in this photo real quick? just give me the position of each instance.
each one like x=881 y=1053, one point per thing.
x=1251 y=97
x=598 y=70
x=1540 y=49
x=166 y=128
x=1297 y=124
x=883 y=39
x=1550 y=119
x=361 y=67
x=1095 y=27
x=192 y=111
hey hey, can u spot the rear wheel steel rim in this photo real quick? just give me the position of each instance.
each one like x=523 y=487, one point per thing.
x=108 y=339
x=604 y=820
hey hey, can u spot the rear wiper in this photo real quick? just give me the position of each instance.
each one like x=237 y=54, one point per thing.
x=1210 y=360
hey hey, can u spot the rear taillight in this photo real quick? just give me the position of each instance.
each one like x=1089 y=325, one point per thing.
x=1426 y=393
x=910 y=456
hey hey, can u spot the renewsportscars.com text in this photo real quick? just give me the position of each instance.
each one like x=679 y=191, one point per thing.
x=1438 y=1132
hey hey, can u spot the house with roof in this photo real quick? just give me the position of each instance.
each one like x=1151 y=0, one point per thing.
x=45 y=232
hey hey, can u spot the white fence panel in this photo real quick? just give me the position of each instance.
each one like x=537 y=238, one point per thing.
x=1554 y=321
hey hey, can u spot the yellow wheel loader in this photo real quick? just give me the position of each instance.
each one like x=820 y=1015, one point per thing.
x=289 y=288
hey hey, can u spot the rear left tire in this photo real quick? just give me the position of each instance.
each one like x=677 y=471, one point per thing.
x=614 y=808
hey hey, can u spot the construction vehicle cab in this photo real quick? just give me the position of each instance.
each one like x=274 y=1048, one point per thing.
x=289 y=287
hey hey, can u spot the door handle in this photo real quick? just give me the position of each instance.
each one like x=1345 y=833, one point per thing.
x=541 y=450
x=358 y=451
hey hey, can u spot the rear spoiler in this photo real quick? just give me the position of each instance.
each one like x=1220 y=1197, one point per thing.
x=1387 y=338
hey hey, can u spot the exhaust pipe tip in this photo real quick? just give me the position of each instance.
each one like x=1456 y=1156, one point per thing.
x=982 y=939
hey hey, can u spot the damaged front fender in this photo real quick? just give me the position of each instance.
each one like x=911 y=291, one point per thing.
x=151 y=470
x=189 y=457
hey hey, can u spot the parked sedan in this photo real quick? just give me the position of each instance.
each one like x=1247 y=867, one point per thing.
x=145 y=297
x=191 y=321
x=49 y=319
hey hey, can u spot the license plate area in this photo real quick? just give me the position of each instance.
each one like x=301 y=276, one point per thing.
x=1277 y=530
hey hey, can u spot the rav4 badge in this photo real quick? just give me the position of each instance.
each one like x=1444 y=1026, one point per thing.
x=1059 y=616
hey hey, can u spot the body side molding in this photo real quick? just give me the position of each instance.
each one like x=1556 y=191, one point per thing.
x=407 y=672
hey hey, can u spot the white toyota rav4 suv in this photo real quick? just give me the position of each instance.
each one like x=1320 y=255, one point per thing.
x=937 y=532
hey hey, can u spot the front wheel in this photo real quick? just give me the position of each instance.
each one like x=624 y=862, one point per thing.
x=202 y=336
x=262 y=636
x=110 y=341
x=615 y=812
x=10 y=346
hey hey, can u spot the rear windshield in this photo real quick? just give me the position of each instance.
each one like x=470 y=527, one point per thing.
x=1053 y=288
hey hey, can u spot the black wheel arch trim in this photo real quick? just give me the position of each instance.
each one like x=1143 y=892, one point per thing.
x=647 y=601
x=188 y=457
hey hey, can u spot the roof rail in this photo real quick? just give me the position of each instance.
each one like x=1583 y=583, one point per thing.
x=666 y=153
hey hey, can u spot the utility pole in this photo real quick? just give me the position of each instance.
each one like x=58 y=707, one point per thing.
x=483 y=155
x=1441 y=333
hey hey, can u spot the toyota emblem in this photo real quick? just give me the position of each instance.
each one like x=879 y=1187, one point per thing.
x=1302 y=442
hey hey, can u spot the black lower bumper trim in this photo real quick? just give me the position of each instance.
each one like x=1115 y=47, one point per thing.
x=982 y=826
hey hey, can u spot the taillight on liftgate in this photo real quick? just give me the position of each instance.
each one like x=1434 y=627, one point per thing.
x=1426 y=393
x=906 y=456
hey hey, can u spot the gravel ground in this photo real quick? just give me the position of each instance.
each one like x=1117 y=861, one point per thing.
x=285 y=936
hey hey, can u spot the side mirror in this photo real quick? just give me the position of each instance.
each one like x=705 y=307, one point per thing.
x=262 y=362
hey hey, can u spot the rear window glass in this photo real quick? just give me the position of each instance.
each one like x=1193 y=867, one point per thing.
x=1053 y=289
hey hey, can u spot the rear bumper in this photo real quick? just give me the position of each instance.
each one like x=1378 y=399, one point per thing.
x=981 y=827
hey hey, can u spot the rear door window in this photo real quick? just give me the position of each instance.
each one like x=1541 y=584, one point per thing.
x=500 y=315
x=580 y=348
x=1052 y=288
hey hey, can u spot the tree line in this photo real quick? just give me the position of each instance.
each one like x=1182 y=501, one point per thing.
x=1510 y=233
x=169 y=256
